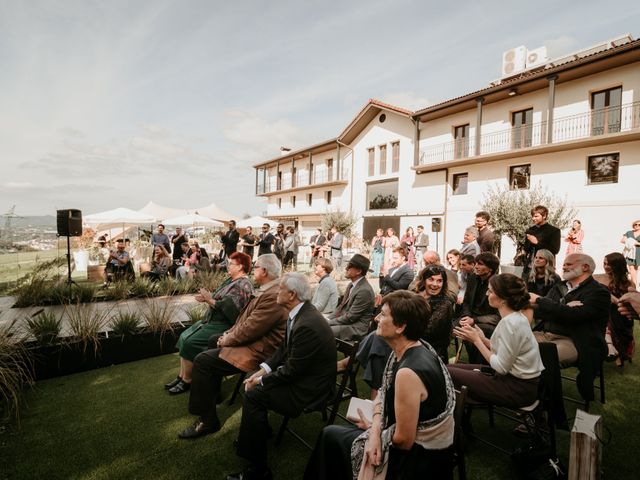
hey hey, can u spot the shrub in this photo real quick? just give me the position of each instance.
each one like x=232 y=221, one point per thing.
x=15 y=372
x=209 y=280
x=158 y=315
x=86 y=321
x=141 y=287
x=197 y=313
x=167 y=286
x=45 y=326
x=126 y=323
x=119 y=290
x=34 y=287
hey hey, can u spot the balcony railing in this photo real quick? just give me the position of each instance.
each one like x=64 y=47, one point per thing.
x=575 y=127
x=301 y=180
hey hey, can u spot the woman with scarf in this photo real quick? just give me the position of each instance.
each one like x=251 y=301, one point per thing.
x=412 y=425
x=225 y=304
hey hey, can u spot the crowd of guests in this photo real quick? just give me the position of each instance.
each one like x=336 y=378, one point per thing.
x=281 y=336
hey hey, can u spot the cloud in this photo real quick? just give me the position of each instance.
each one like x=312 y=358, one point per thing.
x=18 y=185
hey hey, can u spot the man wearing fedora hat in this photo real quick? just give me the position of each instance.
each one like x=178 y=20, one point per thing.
x=351 y=319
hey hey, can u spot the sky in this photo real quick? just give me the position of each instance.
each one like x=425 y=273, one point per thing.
x=112 y=104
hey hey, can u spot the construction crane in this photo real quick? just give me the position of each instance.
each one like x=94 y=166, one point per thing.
x=8 y=216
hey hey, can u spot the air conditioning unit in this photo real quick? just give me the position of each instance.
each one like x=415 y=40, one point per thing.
x=514 y=61
x=537 y=57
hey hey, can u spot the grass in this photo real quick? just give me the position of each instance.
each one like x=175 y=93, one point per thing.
x=117 y=422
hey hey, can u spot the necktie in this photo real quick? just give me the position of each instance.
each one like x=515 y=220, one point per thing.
x=289 y=328
x=345 y=299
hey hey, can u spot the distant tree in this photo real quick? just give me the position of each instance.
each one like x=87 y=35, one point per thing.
x=510 y=212
x=343 y=221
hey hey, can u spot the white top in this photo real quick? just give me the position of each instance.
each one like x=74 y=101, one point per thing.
x=514 y=349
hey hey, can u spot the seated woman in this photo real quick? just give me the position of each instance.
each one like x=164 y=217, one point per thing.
x=225 y=304
x=160 y=265
x=192 y=262
x=374 y=351
x=619 y=334
x=543 y=275
x=512 y=352
x=412 y=426
x=325 y=298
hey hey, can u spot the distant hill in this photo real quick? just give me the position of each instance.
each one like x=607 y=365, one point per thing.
x=33 y=221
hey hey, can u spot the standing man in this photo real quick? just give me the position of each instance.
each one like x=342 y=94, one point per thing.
x=300 y=374
x=541 y=235
x=278 y=243
x=336 y=247
x=230 y=239
x=486 y=238
x=422 y=245
x=249 y=241
x=265 y=240
x=177 y=240
x=160 y=238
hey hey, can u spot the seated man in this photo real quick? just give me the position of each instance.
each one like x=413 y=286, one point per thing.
x=325 y=298
x=118 y=265
x=352 y=318
x=475 y=306
x=574 y=315
x=399 y=277
x=300 y=374
x=256 y=335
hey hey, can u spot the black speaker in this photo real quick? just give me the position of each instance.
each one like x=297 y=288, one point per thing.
x=69 y=223
x=436 y=224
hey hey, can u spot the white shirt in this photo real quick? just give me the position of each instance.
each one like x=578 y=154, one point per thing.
x=514 y=348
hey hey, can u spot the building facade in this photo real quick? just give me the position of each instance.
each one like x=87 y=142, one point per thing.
x=571 y=124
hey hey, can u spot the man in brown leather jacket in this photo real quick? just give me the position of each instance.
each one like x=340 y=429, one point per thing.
x=256 y=336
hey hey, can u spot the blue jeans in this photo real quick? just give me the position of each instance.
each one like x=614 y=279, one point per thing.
x=376 y=262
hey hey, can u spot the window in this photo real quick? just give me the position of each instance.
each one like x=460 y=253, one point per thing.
x=382 y=195
x=460 y=181
x=372 y=160
x=309 y=198
x=519 y=176
x=383 y=159
x=294 y=172
x=605 y=111
x=461 y=141
x=395 y=157
x=279 y=203
x=279 y=181
x=328 y=197
x=603 y=168
x=330 y=170
x=522 y=123
x=293 y=201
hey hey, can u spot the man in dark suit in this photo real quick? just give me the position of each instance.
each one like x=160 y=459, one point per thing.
x=265 y=240
x=541 y=235
x=400 y=274
x=351 y=319
x=574 y=316
x=230 y=239
x=255 y=336
x=300 y=374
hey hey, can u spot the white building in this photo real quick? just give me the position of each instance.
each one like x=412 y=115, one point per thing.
x=572 y=124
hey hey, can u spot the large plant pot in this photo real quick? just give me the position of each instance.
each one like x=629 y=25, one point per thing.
x=51 y=361
x=81 y=259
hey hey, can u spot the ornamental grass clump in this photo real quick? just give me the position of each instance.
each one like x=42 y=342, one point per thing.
x=209 y=280
x=44 y=326
x=167 y=286
x=119 y=290
x=15 y=372
x=158 y=315
x=86 y=321
x=126 y=323
x=34 y=288
x=197 y=313
x=141 y=287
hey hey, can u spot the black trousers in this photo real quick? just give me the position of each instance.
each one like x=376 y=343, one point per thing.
x=206 y=381
x=254 y=426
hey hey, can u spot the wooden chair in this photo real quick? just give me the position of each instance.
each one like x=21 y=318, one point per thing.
x=329 y=405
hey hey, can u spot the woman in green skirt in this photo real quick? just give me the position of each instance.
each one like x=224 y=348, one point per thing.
x=225 y=304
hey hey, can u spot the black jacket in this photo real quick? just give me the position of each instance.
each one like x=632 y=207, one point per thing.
x=230 y=242
x=306 y=363
x=585 y=325
x=548 y=238
x=476 y=303
x=400 y=281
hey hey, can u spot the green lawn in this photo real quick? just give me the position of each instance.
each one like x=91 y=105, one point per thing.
x=118 y=422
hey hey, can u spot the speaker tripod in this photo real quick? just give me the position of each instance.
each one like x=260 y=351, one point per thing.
x=69 y=279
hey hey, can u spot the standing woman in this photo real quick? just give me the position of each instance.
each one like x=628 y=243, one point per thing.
x=631 y=252
x=391 y=242
x=574 y=238
x=619 y=336
x=407 y=241
x=412 y=428
x=512 y=352
x=377 y=252
x=543 y=275
x=225 y=304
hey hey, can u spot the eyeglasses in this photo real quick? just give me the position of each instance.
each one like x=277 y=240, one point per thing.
x=636 y=224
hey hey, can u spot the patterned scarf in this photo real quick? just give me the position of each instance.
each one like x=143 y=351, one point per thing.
x=358 y=446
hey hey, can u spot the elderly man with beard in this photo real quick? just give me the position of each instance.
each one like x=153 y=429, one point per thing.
x=573 y=315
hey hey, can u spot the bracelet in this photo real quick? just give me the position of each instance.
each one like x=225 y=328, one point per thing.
x=376 y=413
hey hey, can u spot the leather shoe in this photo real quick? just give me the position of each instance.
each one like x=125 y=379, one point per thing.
x=180 y=387
x=250 y=474
x=173 y=383
x=199 y=429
